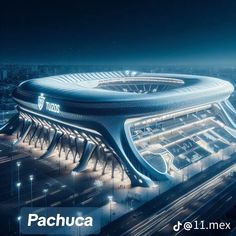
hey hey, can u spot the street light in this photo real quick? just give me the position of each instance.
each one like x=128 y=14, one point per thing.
x=18 y=184
x=31 y=177
x=12 y=188
x=18 y=164
x=73 y=176
x=110 y=198
x=45 y=191
x=19 y=222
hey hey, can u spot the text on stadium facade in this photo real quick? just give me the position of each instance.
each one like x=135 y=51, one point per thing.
x=52 y=107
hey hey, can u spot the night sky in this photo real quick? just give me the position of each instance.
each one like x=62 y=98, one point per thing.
x=118 y=32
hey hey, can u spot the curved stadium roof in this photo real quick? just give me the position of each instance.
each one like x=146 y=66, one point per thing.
x=124 y=91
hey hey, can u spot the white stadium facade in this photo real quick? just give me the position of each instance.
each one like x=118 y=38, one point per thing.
x=150 y=126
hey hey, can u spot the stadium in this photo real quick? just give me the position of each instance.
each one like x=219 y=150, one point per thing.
x=149 y=126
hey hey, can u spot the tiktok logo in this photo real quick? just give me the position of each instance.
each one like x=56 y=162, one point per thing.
x=176 y=227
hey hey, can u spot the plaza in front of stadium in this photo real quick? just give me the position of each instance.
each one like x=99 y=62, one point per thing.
x=114 y=140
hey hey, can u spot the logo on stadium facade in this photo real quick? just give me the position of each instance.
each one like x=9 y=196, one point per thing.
x=52 y=107
x=41 y=101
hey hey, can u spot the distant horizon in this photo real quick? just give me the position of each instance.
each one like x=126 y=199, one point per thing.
x=117 y=64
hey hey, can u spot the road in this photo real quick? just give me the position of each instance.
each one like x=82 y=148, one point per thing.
x=160 y=214
x=190 y=207
x=214 y=209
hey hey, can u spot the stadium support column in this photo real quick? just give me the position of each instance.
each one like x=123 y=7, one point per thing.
x=39 y=136
x=76 y=149
x=115 y=133
x=11 y=125
x=89 y=148
x=123 y=173
x=98 y=154
x=46 y=137
x=34 y=132
x=113 y=169
x=61 y=145
x=56 y=137
x=43 y=140
x=105 y=165
x=25 y=131
x=18 y=129
x=73 y=146
x=67 y=153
